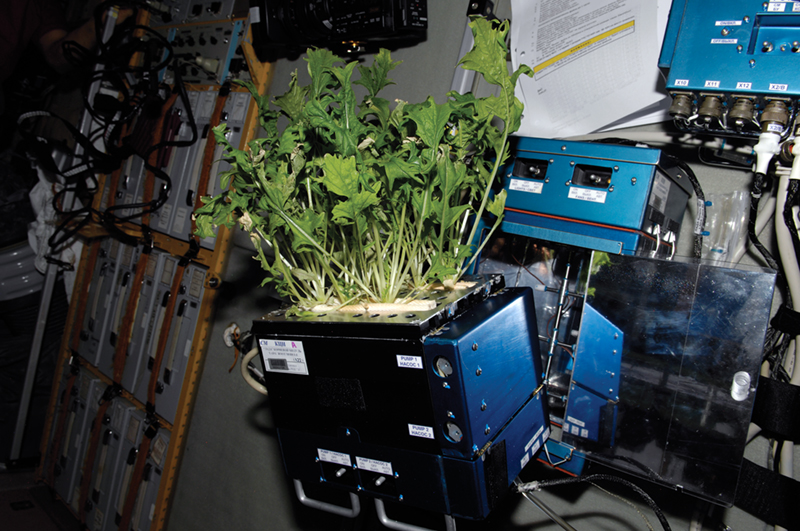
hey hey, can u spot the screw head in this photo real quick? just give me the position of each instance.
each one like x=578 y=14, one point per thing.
x=487 y=430
x=474 y=346
x=478 y=372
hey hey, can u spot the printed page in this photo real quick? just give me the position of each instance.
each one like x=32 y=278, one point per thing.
x=594 y=62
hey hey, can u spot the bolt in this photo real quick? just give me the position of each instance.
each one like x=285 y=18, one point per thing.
x=478 y=372
x=396 y=475
x=474 y=346
x=611 y=189
x=568 y=183
x=487 y=430
x=473 y=5
x=752 y=63
x=572 y=163
x=725 y=31
x=616 y=168
x=610 y=391
x=746 y=19
x=316 y=459
x=563 y=148
x=739 y=48
x=483 y=405
x=633 y=180
x=400 y=498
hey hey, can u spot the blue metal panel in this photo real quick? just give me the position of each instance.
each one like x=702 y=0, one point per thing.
x=496 y=364
x=598 y=354
x=719 y=48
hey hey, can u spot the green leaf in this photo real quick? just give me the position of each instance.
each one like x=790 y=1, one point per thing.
x=294 y=100
x=341 y=176
x=431 y=120
x=498 y=204
x=374 y=78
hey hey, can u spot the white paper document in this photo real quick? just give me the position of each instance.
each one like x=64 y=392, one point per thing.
x=595 y=64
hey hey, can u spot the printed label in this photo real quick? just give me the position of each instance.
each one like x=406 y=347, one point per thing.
x=576 y=421
x=159 y=447
x=239 y=107
x=776 y=7
x=163 y=220
x=724 y=41
x=728 y=23
x=133 y=430
x=333 y=457
x=775 y=128
x=531 y=187
x=659 y=193
x=180 y=220
x=426 y=432
x=681 y=82
x=796 y=7
x=711 y=84
x=584 y=433
x=780 y=87
x=373 y=465
x=524 y=460
x=575 y=430
x=409 y=362
x=536 y=448
x=744 y=85
x=585 y=194
x=98 y=519
x=530 y=443
x=284 y=356
x=698 y=222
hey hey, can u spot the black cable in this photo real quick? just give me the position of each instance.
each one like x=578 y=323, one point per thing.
x=792 y=196
x=536 y=485
x=755 y=196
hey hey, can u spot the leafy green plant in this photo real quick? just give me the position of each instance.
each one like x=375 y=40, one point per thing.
x=369 y=202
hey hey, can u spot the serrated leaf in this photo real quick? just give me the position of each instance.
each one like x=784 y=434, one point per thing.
x=374 y=78
x=498 y=204
x=294 y=100
x=431 y=120
x=341 y=176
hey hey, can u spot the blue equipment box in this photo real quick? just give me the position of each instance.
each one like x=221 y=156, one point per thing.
x=731 y=66
x=439 y=409
x=618 y=199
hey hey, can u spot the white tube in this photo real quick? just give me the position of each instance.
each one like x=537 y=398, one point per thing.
x=246 y=373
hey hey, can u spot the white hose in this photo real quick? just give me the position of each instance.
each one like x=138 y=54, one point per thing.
x=252 y=382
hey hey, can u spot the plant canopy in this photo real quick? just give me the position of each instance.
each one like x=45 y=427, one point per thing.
x=369 y=202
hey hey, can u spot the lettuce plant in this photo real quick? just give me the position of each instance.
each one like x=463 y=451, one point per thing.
x=370 y=201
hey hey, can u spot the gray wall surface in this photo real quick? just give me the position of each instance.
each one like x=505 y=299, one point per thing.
x=231 y=476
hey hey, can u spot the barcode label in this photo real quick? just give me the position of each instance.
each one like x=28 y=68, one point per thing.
x=278 y=365
x=284 y=355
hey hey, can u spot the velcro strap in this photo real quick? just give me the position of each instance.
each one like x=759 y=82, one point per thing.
x=787 y=321
x=775 y=409
x=768 y=495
